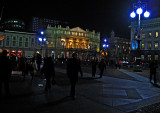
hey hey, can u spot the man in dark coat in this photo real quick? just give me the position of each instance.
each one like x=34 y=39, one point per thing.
x=38 y=61
x=94 y=66
x=102 y=66
x=49 y=72
x=153 y=65
x=5 y=70
x=73 y=67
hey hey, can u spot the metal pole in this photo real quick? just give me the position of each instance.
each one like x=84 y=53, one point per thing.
x=139 y=22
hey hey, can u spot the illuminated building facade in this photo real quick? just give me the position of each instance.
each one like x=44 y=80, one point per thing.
x=150 y=40
x=62 y=42
x=19 y=43
x=119 y=48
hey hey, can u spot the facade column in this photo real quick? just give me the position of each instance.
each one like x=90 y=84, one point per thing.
x=67 y=42
x=74 y=42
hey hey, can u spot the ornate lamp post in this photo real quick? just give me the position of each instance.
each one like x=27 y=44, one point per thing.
x=139 y=8
x=42 y=39
x=105 y=46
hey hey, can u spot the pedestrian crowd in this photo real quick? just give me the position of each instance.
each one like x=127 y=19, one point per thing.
x=27 y=66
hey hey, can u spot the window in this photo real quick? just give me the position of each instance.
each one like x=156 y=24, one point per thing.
x=149 y=45
x=7 y=41
x=20 y=42
x=157 y=34
x=156 y=45
x=142 y=57
x=155 y=57
x=143 y=35
x=26 y=42
x=150 y=35
x=149 y=57
x=14 y=42
x=142 y=45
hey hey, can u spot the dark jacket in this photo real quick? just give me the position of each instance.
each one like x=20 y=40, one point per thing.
x=5 y=66
x=153 y=66
x=102 y=65
x=73 y=67
x=48 y=68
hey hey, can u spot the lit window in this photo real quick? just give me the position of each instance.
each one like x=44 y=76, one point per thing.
x=156 y=45
x=157 y=34
x=150 y=35
x=143 y=35
x=149 y=57
x=155 y=57
x=142 y=57
x=143 y=46
x=149 y=45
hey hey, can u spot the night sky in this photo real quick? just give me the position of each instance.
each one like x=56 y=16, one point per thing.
x=100 y=15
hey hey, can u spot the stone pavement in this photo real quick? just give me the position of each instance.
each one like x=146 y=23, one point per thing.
x=94 y=95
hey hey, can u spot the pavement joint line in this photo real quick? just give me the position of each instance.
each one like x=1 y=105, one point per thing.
x=136 y=76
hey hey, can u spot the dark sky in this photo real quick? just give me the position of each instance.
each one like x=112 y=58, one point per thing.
x=100 y=15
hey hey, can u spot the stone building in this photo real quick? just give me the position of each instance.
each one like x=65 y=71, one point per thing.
x=119 y=47
x=19 y=43
x=62 y=42
x=150 y=39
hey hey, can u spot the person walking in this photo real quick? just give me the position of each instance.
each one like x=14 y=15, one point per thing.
x=39 y=61
x=94 y=66
x=102 y=66
x=23 y=67
x=153 y=65
x=119 y=64
x=48 y=70
x=5 y=69
x=73 y=67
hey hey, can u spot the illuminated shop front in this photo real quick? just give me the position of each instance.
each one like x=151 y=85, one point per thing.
x=62 y=42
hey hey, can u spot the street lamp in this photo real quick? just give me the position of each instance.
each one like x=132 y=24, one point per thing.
x=105 y=45
x=139 y=8
x=42 y=39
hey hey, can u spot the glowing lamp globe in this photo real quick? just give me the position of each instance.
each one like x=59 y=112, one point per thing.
x=146 y=14
x=107 y=45
x=44 y=39
x=104 y=45
x=42 y=32
x=139 y=11
x=133 y=15
x=105 y=40
x=40 y=39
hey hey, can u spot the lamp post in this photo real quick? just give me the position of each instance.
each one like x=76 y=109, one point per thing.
x=139 y=8
x=42 y=39
x=105 y=46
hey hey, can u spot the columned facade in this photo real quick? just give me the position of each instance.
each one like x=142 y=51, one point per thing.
x=19 y=43
x=62 y=42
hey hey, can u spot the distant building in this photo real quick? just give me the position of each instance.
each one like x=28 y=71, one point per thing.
x=63 y=41
x=38 y=23
x=150 y=39
x=13 y=24
x=119 y=48
x=19 y=43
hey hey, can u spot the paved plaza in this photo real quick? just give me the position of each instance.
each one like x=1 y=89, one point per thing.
x=118 y=91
